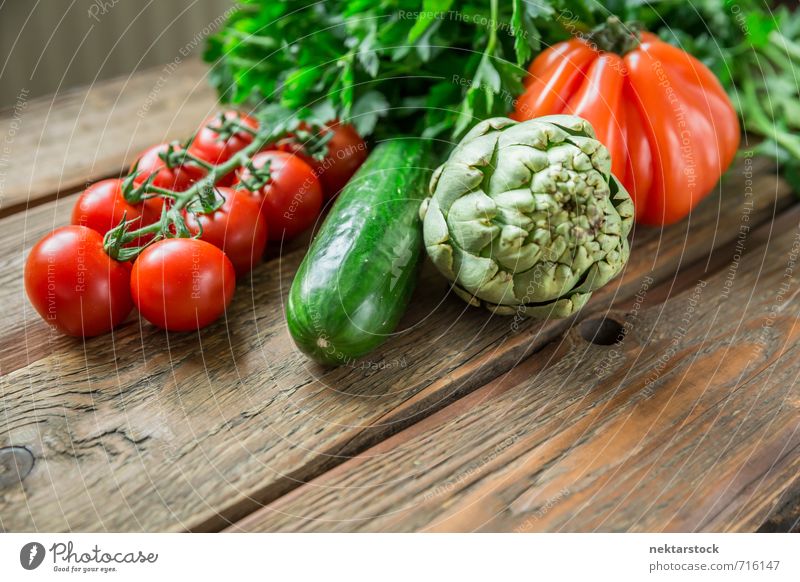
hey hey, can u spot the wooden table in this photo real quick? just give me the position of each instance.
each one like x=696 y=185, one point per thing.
x=464 y=421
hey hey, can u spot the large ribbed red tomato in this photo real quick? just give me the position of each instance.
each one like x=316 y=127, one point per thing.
x=666 y=120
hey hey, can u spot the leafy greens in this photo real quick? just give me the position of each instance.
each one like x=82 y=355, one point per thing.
x=434 y=67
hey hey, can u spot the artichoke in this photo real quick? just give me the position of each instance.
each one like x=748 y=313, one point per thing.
x=526 y=218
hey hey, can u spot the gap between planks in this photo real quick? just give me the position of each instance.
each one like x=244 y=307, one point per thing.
x=333 y=500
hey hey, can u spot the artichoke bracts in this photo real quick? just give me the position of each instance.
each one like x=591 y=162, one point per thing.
x=526 y=218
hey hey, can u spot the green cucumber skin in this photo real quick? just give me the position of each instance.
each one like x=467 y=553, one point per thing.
x=361 y=268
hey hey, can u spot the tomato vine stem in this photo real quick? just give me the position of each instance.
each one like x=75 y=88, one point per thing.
x=203 y=194
x=615 y=36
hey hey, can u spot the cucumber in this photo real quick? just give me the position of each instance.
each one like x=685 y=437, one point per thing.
x=358 y=275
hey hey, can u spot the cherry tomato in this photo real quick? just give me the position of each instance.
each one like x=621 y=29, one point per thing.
x=237 y=227
x=74 y=285
x=292 y=198
x=177 y=179
x=207 y=144
x=102 y=206
x=182 y=284
x=346 y=151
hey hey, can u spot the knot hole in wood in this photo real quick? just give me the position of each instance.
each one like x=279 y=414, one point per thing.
x=602 y=331
x=15 y=464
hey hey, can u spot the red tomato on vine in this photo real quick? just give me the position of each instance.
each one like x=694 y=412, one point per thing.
x=291 y=200
x=177 y=179
x=237 y=227
x=182 y=284
x=102 y=206
x=209 y=146
x=74 y=285
x=345 y=152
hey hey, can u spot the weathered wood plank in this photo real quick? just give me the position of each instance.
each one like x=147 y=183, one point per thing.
x=691 y=423
x=59 y=144
x=190 y=431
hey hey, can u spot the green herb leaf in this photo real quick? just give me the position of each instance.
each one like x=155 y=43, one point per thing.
x=522 y=48
x=431 y=10
x=366 y=111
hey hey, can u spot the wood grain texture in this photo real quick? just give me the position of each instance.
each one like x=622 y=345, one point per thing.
x=56 y=145
x=145 y=431
x=786 y=518
x=691 y=423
